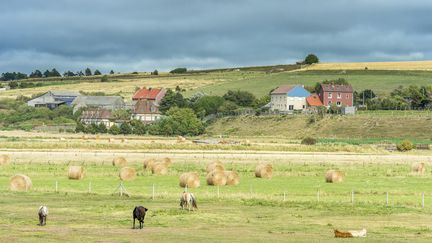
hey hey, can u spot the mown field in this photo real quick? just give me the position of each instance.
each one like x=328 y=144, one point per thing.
x=253 y=211
x=411 y=65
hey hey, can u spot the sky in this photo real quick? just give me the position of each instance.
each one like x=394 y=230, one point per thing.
x=141 y=35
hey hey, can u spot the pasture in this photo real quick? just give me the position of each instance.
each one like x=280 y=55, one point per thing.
x=295 y=205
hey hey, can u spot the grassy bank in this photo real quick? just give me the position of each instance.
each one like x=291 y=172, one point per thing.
x=330 y=127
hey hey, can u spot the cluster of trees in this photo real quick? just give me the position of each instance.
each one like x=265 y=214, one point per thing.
x=402 y=98
x=10 y=76
x=204 y=105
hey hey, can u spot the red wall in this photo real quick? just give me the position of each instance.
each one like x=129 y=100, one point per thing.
x=346 y=99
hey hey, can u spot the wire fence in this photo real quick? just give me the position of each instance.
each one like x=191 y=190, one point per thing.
x=354 y=197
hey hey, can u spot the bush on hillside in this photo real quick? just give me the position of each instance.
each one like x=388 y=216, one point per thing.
x=405 y=145
x=179 y=70
x=309 y=141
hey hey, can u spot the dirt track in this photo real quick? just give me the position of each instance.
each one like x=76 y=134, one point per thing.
x=201 y=156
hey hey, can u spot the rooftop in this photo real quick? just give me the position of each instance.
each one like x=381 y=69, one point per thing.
x=146 y=94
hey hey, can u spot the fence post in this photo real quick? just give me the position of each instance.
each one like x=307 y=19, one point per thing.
x=284 y=196
x=56 y=186
x=121 y=189
x=153 y=191
x=89 y=187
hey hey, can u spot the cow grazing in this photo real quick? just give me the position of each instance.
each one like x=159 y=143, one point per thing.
x=43 y=213
x=188 y=200
x=139 y=213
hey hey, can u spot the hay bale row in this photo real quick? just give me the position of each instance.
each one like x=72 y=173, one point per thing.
x=264 y=171
x=20 y=183
x=119 y=162
x=334 y=176
x=76 y=172
x=127 y=174
x=189 y=179
x=4 y=159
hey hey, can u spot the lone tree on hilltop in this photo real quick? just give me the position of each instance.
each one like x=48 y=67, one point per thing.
x=311 y=59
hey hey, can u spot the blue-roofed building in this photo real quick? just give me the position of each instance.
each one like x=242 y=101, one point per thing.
x=53 y=99
x=288 y=98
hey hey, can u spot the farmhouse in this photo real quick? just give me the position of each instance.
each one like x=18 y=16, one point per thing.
x=338 y=94
x=102 y=102
x=97 y=116
x=146 y=111
x=288 y=98
x=53 y=99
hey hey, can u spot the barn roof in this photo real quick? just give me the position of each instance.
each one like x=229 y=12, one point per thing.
x=284 y=89
x=314 y=100
x=144 y=93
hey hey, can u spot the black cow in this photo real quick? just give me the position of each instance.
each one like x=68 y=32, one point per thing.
x=139 y=213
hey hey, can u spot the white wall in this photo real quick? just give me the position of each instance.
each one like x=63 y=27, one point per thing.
x=283 y=103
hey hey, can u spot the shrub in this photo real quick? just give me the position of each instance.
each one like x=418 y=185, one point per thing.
x=405 y=145
x=309 y=141
x=104 y=78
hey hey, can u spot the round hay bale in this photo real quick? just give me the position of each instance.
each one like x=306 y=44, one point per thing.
x=167 y=161
x=97 y=137
x=62 y=139
x=216 y=178
x=419 y=168
x=216 y=165
x=191 y=179
x=119 y=162
x=4 y=159
x=264 y=171
x=76 y=172
x=124 y=140
x=334 y=176
x=127 y=174
x=20 y=183
x=148 y=164
x=159 y=169
x=181 y=139
x=232 y=178
x=85 y=137
x=111 y=140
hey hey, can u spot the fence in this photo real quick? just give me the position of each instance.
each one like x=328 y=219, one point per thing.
x=343 y=198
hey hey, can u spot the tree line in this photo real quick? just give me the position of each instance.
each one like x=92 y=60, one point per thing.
x=11 y=76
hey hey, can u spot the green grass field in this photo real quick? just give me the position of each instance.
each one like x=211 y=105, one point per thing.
x=254 y=210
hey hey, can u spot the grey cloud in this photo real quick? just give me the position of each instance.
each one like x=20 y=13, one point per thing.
x=143 y=35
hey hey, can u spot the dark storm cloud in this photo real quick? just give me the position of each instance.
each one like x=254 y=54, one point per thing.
x=143 y=35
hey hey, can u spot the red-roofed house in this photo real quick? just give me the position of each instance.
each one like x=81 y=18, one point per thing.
x=338 y=94
x=149 y=94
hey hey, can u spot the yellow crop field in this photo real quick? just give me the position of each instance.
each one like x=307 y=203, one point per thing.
x=412 y=65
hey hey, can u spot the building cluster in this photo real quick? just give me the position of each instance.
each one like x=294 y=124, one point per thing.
x=144 y=105
x=287 y=99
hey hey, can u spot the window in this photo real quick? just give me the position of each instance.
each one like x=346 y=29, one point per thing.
x=330 y=95
x=339 y=95
x=338 y=103
x=304 y=106
x=291 y=107
x=347 y=96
